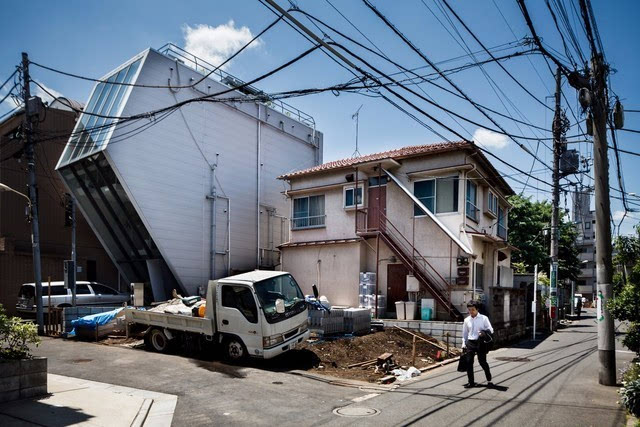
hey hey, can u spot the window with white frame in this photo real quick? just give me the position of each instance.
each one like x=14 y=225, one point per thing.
x=349 y=197
x=472 y=200
x=492 y=203
x=439 y=195
x=308 y=212
x=479 y=277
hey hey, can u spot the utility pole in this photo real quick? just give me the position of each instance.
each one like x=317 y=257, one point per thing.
x=534 y=307
x=33 y=196
x=73 y=250
x=604 y=274
x=557 y=140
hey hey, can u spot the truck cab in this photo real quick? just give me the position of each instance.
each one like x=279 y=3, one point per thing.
x=259 y=314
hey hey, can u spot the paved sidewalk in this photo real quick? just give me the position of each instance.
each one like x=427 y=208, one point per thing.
x=548 y=382
x=74 y=401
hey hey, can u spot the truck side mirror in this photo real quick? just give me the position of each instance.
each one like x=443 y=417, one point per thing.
x=315 y=290
x=279 y=306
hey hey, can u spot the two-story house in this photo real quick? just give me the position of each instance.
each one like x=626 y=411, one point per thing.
x=436 y=212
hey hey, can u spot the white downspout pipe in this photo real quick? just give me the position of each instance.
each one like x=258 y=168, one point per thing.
x=258 y=175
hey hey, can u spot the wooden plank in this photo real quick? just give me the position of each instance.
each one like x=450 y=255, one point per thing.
x=384 y=357
x=367 y=362
x=421 y=338
x=388 y=379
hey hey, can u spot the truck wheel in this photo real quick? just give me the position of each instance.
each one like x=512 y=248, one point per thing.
x=234 y=350
x=156 y=340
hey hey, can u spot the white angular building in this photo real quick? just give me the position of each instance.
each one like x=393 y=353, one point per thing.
x=188 y=194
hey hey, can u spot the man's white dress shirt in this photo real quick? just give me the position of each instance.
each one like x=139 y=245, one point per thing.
x=473 y=325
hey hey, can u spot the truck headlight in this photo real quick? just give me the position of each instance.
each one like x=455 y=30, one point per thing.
x=272 y=340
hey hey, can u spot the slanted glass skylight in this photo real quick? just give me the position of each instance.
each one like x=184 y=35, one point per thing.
x=92 y=131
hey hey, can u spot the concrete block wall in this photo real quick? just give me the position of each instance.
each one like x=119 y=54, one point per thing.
x=73 y=313
x=20 y=379
x=436 y=329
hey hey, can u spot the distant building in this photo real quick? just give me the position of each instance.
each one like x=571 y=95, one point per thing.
x=585 y=220
x=362 y=214
x=16 y=266
x=189 y=194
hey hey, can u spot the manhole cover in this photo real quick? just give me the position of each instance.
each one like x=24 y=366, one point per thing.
x=513 y=359
x=356 y=411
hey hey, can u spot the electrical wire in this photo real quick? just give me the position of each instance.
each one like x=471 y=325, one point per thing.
x=423 y=56
x=196 y=99
x=216 y=68
x=466 y=27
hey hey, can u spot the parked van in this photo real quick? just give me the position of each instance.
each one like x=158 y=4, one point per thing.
x=87 y=293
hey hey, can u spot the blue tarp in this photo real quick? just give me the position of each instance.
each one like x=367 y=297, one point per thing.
x=90 y=322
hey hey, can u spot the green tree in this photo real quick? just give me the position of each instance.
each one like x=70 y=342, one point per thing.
x=625 y=305
x=527 y=220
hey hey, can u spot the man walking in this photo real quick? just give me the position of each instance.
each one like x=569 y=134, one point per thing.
x=474 y=332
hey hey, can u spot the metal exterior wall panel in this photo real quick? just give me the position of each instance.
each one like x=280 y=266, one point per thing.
x=167 y=178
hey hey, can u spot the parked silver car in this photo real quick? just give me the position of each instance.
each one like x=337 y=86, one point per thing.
x=87 y=293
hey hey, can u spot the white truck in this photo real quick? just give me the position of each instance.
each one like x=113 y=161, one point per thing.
x=259 y=314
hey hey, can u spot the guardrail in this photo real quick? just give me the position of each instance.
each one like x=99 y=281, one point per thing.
x=200 y=65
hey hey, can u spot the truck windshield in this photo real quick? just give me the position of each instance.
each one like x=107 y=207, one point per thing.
x=282 y=287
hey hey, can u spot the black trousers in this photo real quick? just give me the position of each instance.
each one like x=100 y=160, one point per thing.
x=473 y=348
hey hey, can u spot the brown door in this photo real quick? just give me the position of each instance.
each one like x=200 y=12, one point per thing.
x=377 y=203
x=396 y=285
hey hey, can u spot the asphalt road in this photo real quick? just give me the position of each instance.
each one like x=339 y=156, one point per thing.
x=552 y=382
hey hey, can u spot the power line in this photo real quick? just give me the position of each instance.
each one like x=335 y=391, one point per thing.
x=449 y=91
x=216 y=68
x=190 y=100
x=423 y=56
x=466 y=27
x=9 y=78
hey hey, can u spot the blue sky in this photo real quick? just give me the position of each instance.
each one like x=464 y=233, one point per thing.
x=91 y=38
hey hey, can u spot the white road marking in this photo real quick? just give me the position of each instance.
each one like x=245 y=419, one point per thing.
x=365 y=397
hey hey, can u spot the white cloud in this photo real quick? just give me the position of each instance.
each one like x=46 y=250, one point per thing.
x=490 y=139
x=618 y=215
x=215 y=44
x=38 y=91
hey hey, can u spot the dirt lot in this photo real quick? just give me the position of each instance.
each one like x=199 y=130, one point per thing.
x=334 y=356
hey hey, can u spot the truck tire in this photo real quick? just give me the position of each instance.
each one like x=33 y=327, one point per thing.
x=234 y=350
x=157 y=341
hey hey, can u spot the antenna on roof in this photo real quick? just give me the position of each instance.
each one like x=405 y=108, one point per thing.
x=356 y=116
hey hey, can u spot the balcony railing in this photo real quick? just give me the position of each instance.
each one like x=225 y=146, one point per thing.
x=200 y=65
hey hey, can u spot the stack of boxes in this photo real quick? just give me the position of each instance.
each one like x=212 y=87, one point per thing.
x=325 y=322
x=357 y=321
x=368 y=294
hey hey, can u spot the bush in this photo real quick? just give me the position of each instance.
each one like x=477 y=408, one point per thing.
x=15 y=337
x=630 y=399
x=632 y=338
x=632 y=373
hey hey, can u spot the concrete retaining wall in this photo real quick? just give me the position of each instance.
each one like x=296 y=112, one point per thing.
x=436 y=329
x=73 y=313
x=20 y=379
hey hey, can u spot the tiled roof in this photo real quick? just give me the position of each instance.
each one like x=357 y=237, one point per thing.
x=399 y=153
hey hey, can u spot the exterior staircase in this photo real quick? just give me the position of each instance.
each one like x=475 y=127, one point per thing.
x=429 y=278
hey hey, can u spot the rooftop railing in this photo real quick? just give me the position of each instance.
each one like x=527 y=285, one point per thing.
x=200 y=65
